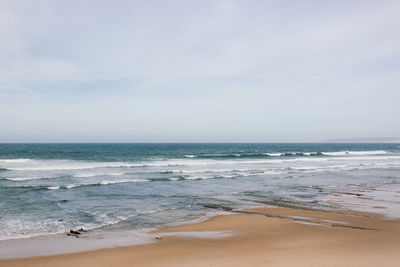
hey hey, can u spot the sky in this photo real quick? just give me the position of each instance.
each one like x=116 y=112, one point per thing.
x=198 y=71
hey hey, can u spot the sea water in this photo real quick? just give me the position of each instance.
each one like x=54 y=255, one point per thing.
x=52 y=188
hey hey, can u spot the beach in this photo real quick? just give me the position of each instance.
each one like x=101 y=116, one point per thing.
x=273 y=236
x=199 y=205
x=199 y=133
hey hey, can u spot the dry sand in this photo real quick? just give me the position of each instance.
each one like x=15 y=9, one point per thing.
x=261 y=237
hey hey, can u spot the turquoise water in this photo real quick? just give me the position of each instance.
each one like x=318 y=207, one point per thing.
x=51 y=188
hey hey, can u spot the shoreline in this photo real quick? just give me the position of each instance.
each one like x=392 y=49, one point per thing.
x=260 y=236
x=89 y=240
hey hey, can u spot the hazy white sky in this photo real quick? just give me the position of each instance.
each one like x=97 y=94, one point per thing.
x=198 y=71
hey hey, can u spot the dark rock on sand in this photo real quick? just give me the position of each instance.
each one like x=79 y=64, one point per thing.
x=74 y=232
x=219 y=207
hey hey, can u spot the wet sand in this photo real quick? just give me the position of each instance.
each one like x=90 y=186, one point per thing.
x=281 y=236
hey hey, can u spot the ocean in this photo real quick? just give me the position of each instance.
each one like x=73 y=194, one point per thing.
x=52 y=188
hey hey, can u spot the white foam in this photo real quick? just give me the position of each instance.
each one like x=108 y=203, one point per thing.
x=103 y=182
x=76 y=165
x=215 y=177
x=53 y=187
x=348 y=167
x=86 y=175
x=26 y=228
x=272 y=154
x=344 y=153
x=73 y=166
x=14 y=160
x=29 y=178
x=106 y=182
x=14 y=229
x=309 y=153
x=196 y=178
x=83 y=175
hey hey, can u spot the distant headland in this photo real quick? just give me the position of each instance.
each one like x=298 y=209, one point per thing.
x=365 y=140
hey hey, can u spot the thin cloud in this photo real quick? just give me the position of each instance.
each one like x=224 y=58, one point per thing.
x=187 y=70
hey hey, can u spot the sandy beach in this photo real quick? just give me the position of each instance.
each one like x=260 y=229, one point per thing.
x=261 y=237
x=199 y=133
